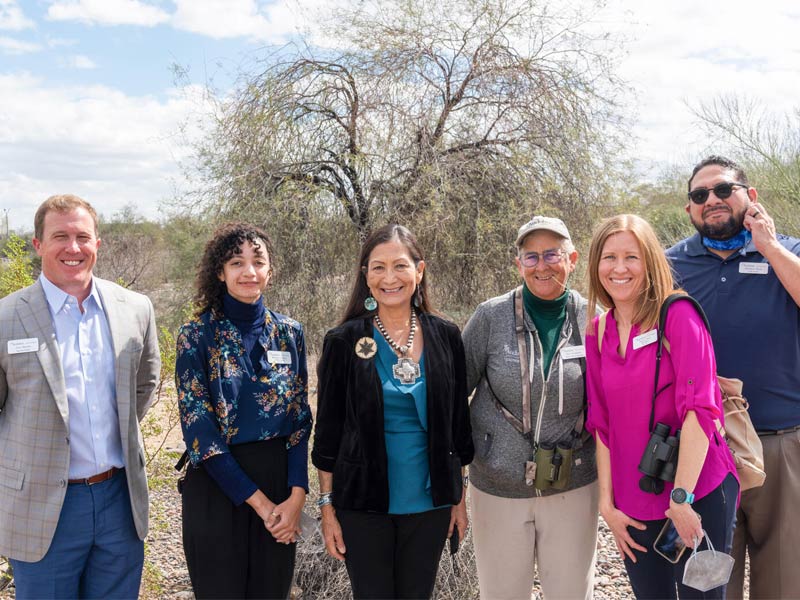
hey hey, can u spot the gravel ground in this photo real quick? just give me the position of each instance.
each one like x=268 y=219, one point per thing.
x=321 y=576
x=167 y=576
x=317 y=576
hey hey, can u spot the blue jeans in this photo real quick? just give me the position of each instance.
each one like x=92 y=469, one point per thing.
x=95 y=552
x=653 y=576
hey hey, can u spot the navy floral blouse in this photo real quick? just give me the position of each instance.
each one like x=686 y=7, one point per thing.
x=225 y=400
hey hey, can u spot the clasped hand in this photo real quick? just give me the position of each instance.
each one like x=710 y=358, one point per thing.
x=283 y=521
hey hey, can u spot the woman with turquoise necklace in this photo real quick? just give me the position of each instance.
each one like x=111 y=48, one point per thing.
x=534 y=484
x=392 y=434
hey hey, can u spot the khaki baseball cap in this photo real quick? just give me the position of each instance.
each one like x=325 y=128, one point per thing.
x=546 y=223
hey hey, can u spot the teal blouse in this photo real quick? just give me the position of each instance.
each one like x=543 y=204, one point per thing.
x=405 y=424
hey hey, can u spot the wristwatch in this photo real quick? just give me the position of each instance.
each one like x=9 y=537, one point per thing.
x=681 y=496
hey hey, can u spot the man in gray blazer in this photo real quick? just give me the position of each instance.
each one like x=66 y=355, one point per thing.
x=79 y=363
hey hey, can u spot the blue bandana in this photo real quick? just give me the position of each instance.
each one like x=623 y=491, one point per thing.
x=740 y=240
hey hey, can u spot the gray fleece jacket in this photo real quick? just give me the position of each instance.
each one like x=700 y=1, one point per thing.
x=492 y=354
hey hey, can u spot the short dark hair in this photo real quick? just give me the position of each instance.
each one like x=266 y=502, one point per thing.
x=725 y=163
x=387 y=233
x=226 y=241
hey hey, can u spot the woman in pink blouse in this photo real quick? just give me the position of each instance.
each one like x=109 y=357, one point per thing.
x=629 y=273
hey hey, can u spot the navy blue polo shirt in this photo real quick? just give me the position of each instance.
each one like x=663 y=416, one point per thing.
x=755 y=324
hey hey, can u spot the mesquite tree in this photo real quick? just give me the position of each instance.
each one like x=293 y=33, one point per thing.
x=457 y=118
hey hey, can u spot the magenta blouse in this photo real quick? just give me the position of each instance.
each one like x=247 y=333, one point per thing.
x=619 y=392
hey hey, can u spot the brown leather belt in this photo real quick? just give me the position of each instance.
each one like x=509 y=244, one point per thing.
x=99 y=478
x=778 y=431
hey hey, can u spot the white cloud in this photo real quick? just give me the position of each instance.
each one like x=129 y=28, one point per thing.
x=95 y=141
x=237 y=18
x=80 y=61
x=681 y=54
x=61 y=42
x=107 y=12
x=12 y=17
x=14 y=46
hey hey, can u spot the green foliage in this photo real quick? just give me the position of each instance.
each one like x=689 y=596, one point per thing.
x=131 y=252
x=162 y=418
x=6 y=573
x=16 y=273
x=457 y=119
x=766 y=144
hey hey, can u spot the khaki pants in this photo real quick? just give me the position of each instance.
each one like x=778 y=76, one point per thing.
x=768 y=525
x=558 y=533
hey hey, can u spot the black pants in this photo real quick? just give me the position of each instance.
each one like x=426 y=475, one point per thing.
x=393 y=556
x=229 y=552
x=652 y=576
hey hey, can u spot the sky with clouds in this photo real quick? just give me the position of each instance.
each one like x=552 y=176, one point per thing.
x=89 y=102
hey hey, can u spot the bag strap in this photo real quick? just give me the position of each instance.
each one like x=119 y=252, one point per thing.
x=661 y=340
x=526 y=424
x=182 y=460
x=519 y=328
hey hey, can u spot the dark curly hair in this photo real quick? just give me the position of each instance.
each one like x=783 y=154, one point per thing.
x=224 y=244
x=388 y=233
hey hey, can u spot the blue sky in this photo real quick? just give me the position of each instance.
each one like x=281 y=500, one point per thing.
x=89 y=105
x=128 y=45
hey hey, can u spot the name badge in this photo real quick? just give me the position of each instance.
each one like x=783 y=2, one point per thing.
x=573 y=352
x=754 y=268
x=279 y=357
x=645 y=339
x=22 y=346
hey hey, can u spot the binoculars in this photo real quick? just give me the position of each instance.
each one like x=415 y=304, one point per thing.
x=659 y=460
x=553 y=465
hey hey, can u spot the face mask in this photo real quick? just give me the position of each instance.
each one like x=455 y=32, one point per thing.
x=707 y=569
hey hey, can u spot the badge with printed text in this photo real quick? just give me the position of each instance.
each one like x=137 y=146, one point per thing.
x=645 y=339
x=279 y=357
x=573 y=352
x=366 y=347
x=23 y=345
x=754 y=268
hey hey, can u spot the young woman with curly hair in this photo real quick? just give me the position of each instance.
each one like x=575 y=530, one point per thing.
x=241 y=377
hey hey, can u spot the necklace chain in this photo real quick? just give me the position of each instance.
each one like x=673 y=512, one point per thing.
x=402 y=350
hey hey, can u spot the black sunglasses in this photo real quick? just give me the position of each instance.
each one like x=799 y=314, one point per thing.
x=721 y=191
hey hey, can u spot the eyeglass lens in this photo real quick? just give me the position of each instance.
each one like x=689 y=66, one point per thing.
x=531 y=259
x=721 y=191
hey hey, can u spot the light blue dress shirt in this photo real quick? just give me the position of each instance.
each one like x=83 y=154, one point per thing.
x=87 y=359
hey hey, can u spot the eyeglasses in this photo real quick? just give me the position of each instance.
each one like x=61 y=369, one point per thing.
x=721 y=191
x=551 y=257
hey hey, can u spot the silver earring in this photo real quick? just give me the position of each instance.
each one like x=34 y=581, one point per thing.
x=370 y=303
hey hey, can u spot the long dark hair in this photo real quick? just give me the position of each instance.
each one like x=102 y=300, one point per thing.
x=223 y=245
x=388 y=233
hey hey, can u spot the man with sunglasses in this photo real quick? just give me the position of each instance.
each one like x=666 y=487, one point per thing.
x=747 y=278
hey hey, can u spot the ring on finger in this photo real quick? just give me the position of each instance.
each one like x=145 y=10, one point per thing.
x=755 y=214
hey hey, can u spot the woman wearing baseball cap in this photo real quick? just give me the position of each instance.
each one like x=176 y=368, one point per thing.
x=534 y=489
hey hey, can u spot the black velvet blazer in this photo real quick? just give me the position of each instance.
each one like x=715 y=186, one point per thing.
x=349 y=437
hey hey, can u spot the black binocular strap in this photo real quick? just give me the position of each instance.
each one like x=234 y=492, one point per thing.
x=662 y=319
